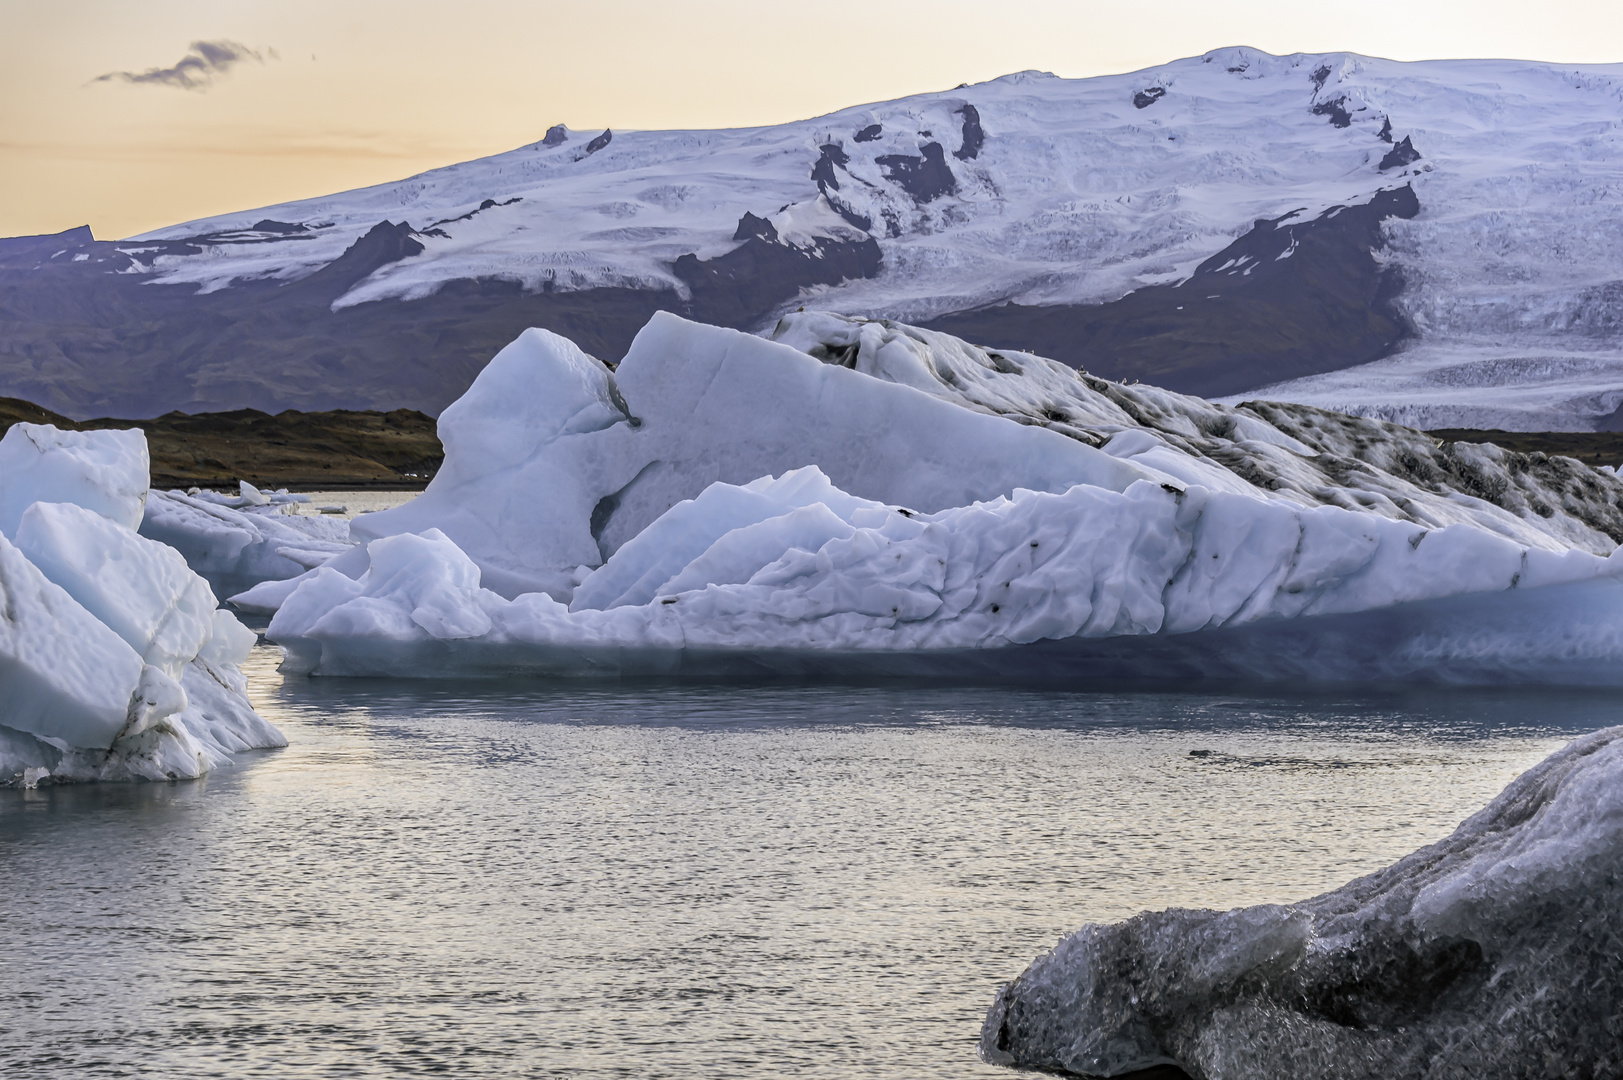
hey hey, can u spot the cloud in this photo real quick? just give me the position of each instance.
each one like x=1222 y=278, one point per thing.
x=203 y=62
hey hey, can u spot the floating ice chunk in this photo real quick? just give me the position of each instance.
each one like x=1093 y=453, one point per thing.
x=250 y=495
x=1490 y=953
x=1085 y=564
x=67 y=677
x=139 y=588
x=104 y=471
x=553 y=462
x=658 y=554
x=235 y=550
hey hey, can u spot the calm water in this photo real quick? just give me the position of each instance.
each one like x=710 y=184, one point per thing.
x=679 y=882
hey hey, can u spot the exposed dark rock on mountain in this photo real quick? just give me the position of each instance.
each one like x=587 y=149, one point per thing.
x=731 y=289
x=1148 y=96
x=974 y=137
x=339 y=448
x=1289 y=298
x=487 y=204
x=750 y=226
x=1400 y=155
x=871 y=133
x=1336 y=110
x=556 y=135
x=925 y=177
x=829 y=158
x=600 y=142
x=86 y=342
x=29 y=251
x=388 y=242
x=1320 y=74
x=1385 y=134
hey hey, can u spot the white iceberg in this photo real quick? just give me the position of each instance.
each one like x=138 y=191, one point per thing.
x=236 y=545
x=114 y=660
x=104 y=471
x=1491 y=953
x=932 y=508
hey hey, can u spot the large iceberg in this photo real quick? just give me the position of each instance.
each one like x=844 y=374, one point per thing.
x=115 y=662
x=862 y=497
x=1491 y=953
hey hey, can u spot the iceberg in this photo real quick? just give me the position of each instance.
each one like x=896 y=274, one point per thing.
x=115 y=661
x=104 y=471
x=1490 y=953
x=862 y=498
x=236 y=543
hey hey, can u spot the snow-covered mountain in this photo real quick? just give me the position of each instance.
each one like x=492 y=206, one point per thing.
x=1432 y=242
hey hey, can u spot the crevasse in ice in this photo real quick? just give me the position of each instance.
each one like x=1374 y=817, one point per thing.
x=863 y=497
x=114 y=660
x=1491 y=953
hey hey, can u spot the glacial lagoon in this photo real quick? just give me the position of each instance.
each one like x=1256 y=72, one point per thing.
x=528 y=880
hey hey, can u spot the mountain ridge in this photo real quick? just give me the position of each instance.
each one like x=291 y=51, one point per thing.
x=1027 y=207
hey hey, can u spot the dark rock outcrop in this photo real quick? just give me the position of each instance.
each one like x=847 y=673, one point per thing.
x=1336 y=110
x=751 y=226
x=600 y=142
x=28 y=251
x=556 y=135
x=735 y=288
x=1400 y=155
x=1287 y=299
x=925 y=178
x=1148 y=96
x=385 y=243
x=1385 y=134
x=870 y=133
x=974 y=137
x=829 y=158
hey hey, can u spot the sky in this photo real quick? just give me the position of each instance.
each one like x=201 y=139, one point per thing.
x=128 y=115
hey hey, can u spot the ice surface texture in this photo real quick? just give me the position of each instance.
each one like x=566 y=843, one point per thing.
x=114 y=662
x=1491 y=953
x=235 y=547
x=929 y=507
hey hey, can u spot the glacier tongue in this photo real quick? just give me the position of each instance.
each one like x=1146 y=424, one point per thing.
x=1490 y=953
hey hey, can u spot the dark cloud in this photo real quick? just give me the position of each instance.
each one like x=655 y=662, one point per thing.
x=203 y=62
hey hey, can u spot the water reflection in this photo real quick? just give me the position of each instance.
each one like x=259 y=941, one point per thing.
x=521 y=880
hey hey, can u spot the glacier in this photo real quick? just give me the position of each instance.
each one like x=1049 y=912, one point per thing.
x=864 y=498
x=116 y=661
x=1490 y=953
x=1052 y=191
